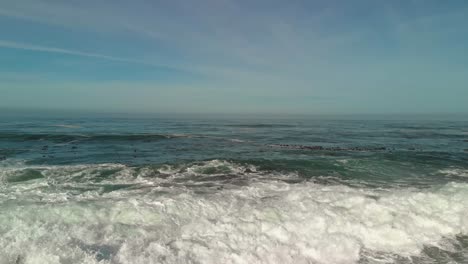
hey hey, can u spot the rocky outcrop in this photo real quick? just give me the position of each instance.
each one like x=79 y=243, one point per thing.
x=322 y=148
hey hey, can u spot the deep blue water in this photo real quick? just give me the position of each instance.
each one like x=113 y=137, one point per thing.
x=81 y=188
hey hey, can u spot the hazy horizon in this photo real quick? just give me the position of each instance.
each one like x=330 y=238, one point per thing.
x=72 y=114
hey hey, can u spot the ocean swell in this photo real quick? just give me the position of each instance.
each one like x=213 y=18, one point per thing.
x=60 y=138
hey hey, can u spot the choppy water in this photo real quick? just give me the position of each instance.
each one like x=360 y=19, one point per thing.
x=109 y=189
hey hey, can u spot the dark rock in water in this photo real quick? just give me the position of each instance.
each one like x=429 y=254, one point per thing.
x=19 y=260
x=312 y=147
x=320 y=148
x=248 y=171
x=25 y=175
x=101 y=252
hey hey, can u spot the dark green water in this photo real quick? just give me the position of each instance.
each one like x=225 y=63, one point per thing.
x=112 y=189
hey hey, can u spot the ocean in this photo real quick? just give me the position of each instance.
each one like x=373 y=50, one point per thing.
x=82 y=188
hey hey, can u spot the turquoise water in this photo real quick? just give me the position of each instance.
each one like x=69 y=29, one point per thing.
x=177 y=189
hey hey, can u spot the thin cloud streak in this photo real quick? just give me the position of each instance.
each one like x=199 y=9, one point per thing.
x=31 y=47
x=199 y=69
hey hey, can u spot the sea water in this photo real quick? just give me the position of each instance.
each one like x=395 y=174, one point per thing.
x=191 y=189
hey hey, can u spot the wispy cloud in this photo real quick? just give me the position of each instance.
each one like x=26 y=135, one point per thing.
x=23 y=46
x=207 y=33
x=228 y=37
x=197 y=69
x=38 y=48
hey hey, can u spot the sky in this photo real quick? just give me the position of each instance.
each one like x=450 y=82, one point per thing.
x=235 y=56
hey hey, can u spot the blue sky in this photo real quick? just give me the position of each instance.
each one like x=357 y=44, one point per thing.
x=232 y=56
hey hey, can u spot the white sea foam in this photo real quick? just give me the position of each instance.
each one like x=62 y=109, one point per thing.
x=265 y=222
x=12 y=163
x=57 y=173
x=53 y=182
x=343 y=161
x=67 y=126
x=237 y=140
x=455 y=172
x=218 y=166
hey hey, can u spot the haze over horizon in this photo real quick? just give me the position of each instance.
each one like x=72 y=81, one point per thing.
x=295 y=57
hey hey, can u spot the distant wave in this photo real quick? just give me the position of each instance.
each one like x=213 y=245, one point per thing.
x=67 y=126
x=192 y=173
x=88 y=137
x=259 y=125
x=457 y=172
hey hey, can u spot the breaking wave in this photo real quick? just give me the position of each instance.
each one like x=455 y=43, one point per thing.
x=152 y=214
x=458 y=172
